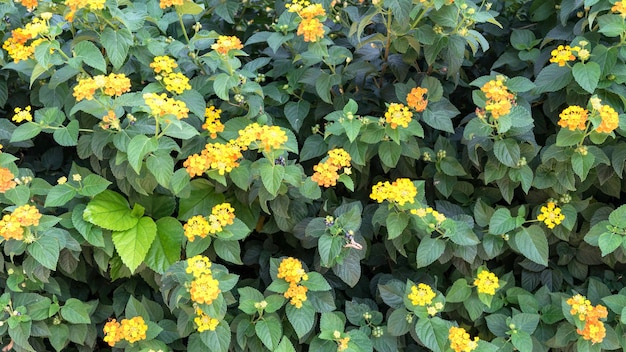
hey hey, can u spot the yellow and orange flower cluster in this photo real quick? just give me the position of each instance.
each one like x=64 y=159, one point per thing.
x=421 y=295
x=161 y=105
x=221 y=216
x=499 y=98
x=175 y=82
x=131 y=330
x=23 y=41
x=620 y=7
x=400 y=191
x=290 y=270
x=12 y=226
x=29 y=4
x=415 y=99
x=22 y=114
x=327 y=172
x=225 y=44
x=551 y=215
x=110 y=120
x=7 y=180
x=574 y=118
x=203 y=288
x=429 y=216
x=562 y=54
x=487 y=282
x=215 y=156
x=212 y=122
x=204 y=321
x=312 y=15
x=460 y=340
x=342 y=342
x=75 y=5
x=609 y=119
x=398 y=115
x=111 y=85
x=169 y=3
x=264 y=137
x=163 y=64
x=582 y=309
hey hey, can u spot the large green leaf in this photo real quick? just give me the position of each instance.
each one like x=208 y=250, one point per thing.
x=110 y=210
x=532 y=243
x=269 y=330
x=133 y=244
x=45 y=250
x=433 y=333
x=76 y=312
x=552 y=78
x=218 y=340
x=272 y=176
x=507 y=151
x=93 y=184
x=608 y=242
x=618 y=217
x=138 y=148
x=67 y=136
x=301 y=319
x=396 y=223
x=89 y=53
x=117 y=43
x=587 y=75
x=429 y=250
x=165 y=250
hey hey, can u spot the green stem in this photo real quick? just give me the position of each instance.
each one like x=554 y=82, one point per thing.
x=182 y=26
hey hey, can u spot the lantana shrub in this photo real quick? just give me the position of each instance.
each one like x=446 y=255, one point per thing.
x=312 y=175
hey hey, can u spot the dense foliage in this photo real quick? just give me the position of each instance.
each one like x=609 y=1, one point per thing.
x=388 y=175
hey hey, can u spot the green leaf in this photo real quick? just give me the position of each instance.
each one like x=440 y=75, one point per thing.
x=202 y=197
x=67 y=136
x=397 y=325
x=19 y=195
x=323 y=87
x=522 y=340
x=230 y=251
x=296 y=112
x=272 y=176
x=59 y=195
x=553 y=78
x=316 y=282
x=396 y=223
x=269 y=330
x=329 y=248
x=618 y=217
x=389 y=153
x=218 y=340
x=133 y=244
x=451 y=167
x=116 y=43
x=582 y=164
x=526 y=322
x=439 y=115
x=189 y=8
x=89 y=53
x=302 y=319
x=222 y=85
x=501 y=222
x=76 y=312
x=433 y=333
x=611 y=25
x=59 y=336
x=532 y=243
x=567 y=138
x=92 y=185
x=459 y=292
x=352 y=128
x=400 y=9
x=25 y=131
x=349 y=271
x=110 y=210
x=165 y=250
x=332 y=321
x=429 y=250
x=587 y=75
x=609 y=242
x=285 y=346
x=161 y=165
x=45 y=250
x=507 y=151
x=310 y=189
x=138 y=148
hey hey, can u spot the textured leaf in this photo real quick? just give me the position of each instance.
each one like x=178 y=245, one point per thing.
x=89 y=53
x=110 y=210
x=165 y=250
x=133 y=244
x=532 y=243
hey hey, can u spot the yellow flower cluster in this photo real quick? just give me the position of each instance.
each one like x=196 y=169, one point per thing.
x=290 y=270
x=401 y=191
x=22 y=114
x=574 y=117
x=266 y=137
x=562 y=54
x=415 y=99
x=12 y=225
x=225 y=44
x=215 y=156
x=160 y=105
x=610 y=119
x=75 y=5
x=486 y=282
x=426 y=214
x=398 y=115
x=212 y=121
x=131 y=330
x=7 y=180
x=311 y=26
x=326 y=173
x=205 y=322
x=460 y=340
x=594 y=329
x=163 y=64
x=499 y=98
x=198 y=266
x=620 y=7
x=18 y=45
x=221 y=216
x=29 y=4
x=551 y=215
x=111 y=85
x=421 y=295
x=342 y=342
x=110 y=120
x=176 y=82
x=168 y=3
x=204 y=289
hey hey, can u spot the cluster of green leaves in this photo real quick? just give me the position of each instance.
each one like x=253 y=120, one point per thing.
x=111 y=241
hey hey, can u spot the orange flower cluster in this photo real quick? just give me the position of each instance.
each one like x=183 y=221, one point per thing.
x=29 y=4
x=110 y=120
x=415 y=99
x=225 y=44
x=131 y=330
x=7 y=180
x=326 y=172
x=212 y=121
x=23 y=41
x=12 y=226
x=290 y=270
x=221 y=216
x=160 y=105
x=215 y=156
x=604 y=117
x=169 y=3
x=111 y=85
x=620 y=7
x=263 y=137
x=75 y=5
x=311 y=26
x=499 y=99
x=398 y=115
x=610 y=119
x=594 y=329
x=574 y=117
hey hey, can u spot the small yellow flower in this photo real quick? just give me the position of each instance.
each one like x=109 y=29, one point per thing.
x=610 y=119
x=562 y=54
x=205 y=322
x=291 y=270
x=487 y=282
x=62 y=180
x=77 y=177
x=460 y=340
x=421 y=295
x=22 y=115
x=204 y=289
x=134 y=329
x=401 y=191
x=551 y=215
x=225 y=44
x=297 y=294
x=398 y=115
x=163 y=64
x=198 y=266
